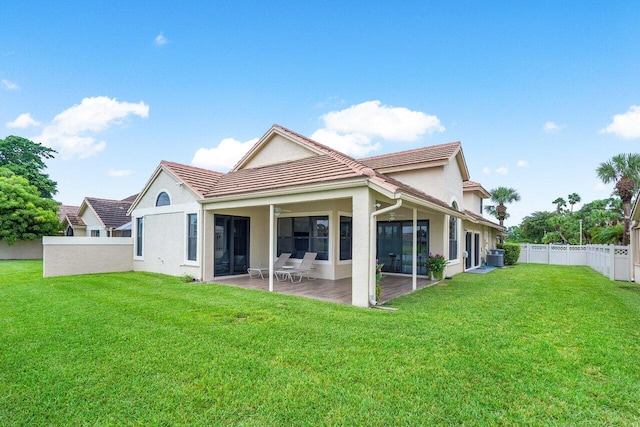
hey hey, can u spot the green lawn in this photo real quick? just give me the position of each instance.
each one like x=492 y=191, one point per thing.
x=525 y=345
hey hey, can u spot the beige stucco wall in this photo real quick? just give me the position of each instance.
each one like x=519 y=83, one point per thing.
x=278 y=150
x=65 y=256
x=164 y=239
x=442 y=182
x=472 y=202
x=178 y=194
x=21 y=249
x=165 y=229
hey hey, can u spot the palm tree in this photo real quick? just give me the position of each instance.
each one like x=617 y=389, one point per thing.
x=624 y=170
x=560 y=203
x=500 y=196
x=573 y=199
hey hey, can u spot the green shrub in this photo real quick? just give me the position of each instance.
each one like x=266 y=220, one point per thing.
x=511 y=252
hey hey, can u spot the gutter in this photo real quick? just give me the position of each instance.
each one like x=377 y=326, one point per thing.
x=372 y=249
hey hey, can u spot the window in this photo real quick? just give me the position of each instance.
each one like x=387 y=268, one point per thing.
x=192 y=237
x=163 y=199
x=453 y=235
x=69 y=231
x=139 y=230
x=346 y=229
x=298 y=235
x=95 y=233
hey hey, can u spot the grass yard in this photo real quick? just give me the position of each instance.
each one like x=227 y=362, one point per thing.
x=525 y=345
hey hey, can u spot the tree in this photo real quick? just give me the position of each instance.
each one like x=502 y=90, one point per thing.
x=24 y=215
x=624 y=170
x=573 y=199
x=560 y=203
x=535 y=226
x=500 y=196
x=26 y=158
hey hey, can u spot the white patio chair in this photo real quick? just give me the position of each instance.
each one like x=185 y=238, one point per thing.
x=259 y=271
x=304 y=269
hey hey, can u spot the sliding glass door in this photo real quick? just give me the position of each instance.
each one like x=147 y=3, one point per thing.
x=395 y=246
x=231 y=245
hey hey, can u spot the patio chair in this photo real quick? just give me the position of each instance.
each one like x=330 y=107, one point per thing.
x=277 y=265
x=304 y=269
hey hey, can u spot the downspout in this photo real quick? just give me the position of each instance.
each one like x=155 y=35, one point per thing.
x=372 y=249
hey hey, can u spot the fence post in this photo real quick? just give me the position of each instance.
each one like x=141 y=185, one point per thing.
x=612 y=262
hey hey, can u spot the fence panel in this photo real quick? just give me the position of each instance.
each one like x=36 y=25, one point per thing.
x=611 y=261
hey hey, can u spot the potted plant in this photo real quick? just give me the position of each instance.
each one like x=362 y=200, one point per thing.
x=436 y=264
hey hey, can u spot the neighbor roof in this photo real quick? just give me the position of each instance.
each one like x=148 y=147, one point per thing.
x=112 y=213
x=74 y=220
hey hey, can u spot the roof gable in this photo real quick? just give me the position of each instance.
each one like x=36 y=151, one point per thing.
x=476 y=187
x=111 y=213
x=420 y=158
x=279 y=145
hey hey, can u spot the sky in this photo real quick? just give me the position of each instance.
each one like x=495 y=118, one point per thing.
x=538 y=93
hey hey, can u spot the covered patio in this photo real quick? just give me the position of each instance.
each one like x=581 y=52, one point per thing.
x=338 y=291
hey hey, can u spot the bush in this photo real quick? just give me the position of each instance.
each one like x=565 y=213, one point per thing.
x=511 y=252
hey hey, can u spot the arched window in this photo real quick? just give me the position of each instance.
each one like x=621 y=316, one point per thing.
x=163 y=199
x=453 y=234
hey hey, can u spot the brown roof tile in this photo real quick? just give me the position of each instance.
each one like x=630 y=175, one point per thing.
x=74 y=220
x=416 y=156
x=198 y=179
x=479 y=218
x=321 y=168
x=112 y=213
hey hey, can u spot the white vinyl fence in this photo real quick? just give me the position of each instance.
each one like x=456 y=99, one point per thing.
x=611 y=261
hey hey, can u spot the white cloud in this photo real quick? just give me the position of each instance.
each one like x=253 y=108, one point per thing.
x=23 y=121
x=7 y=85
x=353 y=129
x=486 y=171
x=160 y=39
x=502 y=171
x=224 y=156
x=523 y=163
x=626 y=125
x=119 y=173
x=355 y=144
x=70 y=131
x=551 y=127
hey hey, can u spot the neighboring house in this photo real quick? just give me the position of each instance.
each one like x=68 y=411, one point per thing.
x=99 y=218
x=292 y=194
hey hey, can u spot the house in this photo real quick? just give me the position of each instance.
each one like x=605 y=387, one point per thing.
x=292 y=194
x=98 y=218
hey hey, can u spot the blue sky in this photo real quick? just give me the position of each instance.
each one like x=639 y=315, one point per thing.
x=539 y=93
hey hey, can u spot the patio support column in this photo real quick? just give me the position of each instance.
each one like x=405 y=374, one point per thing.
x=272 y=212
x=361 y=263
x=414 y=271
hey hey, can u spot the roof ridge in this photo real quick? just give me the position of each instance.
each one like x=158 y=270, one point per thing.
x=412 y=150
x=169 y=163
x=343 y=158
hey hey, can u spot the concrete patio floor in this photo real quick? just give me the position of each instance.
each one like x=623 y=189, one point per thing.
x=338 y=291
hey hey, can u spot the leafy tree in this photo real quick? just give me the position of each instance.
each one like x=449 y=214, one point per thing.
x=624 y=170
x=573 y=199
x=610 y=235
x=560 y=203
x=26 y=158
x=500 y=196
x=24 y=215
x=535 y=226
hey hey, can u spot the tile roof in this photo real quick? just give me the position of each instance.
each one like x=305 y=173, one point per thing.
x=63 y=210
x=416 y=156
x=198 y=179
x=321 y=168
x=112 y=213
x=480 y=219
x=475 y=186
x=74 y=220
